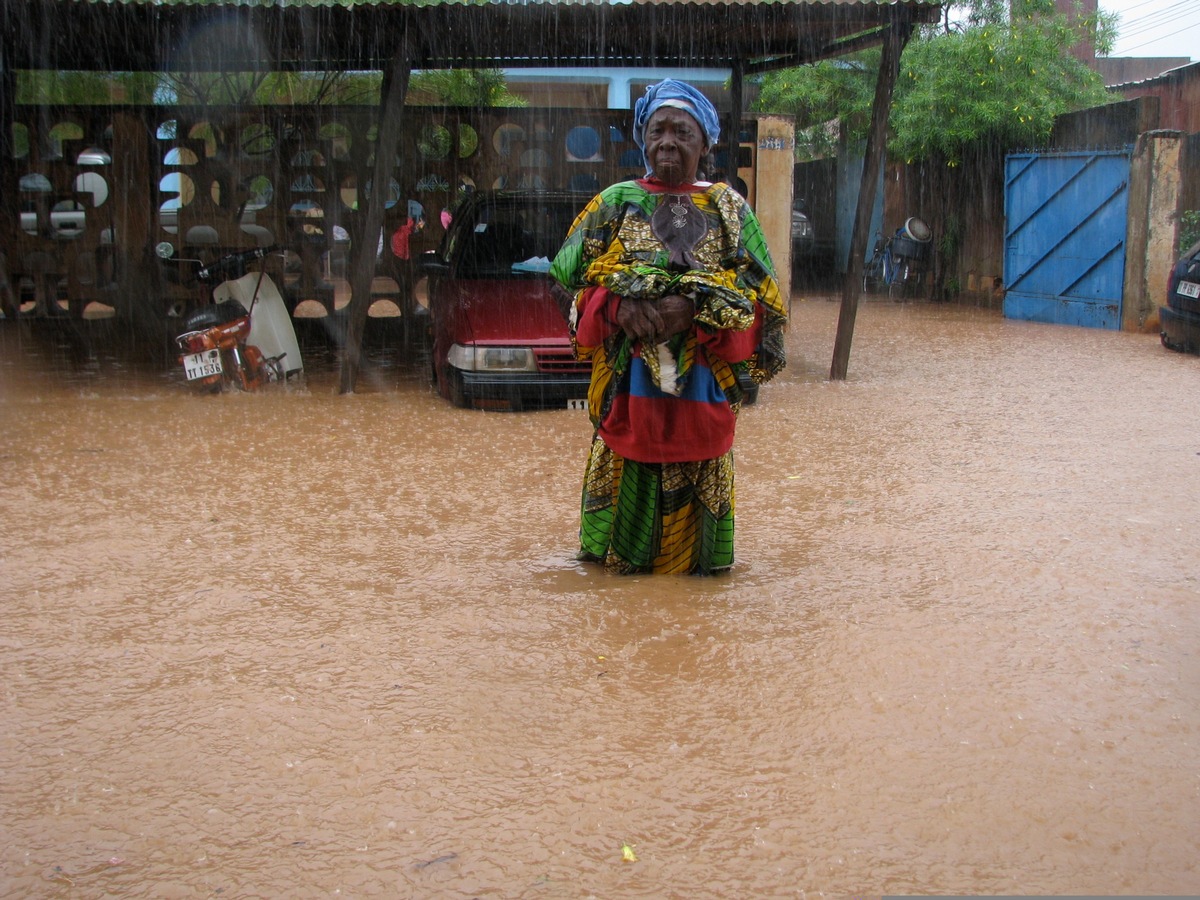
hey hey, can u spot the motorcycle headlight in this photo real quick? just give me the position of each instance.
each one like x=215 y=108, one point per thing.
x=492 y=359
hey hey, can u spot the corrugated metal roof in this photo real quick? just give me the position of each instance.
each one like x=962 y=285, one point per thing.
x=225 y=35
x=350 y=4
x=1161 y=78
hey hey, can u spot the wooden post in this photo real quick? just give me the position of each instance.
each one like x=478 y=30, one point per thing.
x=736 y=100
x=362 y=273
x=134 y=223
x=10 y=215
x=894 y=40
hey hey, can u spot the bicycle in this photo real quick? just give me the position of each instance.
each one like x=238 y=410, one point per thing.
x=899 y=261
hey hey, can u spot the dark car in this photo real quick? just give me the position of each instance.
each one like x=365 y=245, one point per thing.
x=1180 y=318
x=812 y=244
x=499 y=337
x=804 y=237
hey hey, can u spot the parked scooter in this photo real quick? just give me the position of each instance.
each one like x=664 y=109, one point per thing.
x=244 y=336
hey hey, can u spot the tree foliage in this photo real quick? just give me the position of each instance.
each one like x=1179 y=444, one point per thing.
x=297 y=88
x=53 y=87
x=995 y=72
x=467 y=87
x=463 y=87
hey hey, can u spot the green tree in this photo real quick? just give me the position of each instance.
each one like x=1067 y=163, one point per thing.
x=301 y=88
x=53 y=87
x=298 y=88
x=824 y=97
x=992 y=70
x=463 y=87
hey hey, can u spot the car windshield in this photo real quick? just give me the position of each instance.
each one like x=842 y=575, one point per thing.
x=513 y=236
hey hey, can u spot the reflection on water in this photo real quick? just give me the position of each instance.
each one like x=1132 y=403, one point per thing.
x=300 y=643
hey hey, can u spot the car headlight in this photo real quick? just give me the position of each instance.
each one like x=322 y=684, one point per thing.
x=491 y=359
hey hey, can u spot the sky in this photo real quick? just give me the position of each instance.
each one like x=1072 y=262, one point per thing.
x=1156 y=27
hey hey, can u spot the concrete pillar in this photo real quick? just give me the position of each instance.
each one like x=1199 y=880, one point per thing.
x=775 y=153
x=1152 y=223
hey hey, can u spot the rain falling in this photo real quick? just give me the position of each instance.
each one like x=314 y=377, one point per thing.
x=310 y=620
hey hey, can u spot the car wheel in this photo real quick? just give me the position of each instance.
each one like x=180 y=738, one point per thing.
x=454 y=389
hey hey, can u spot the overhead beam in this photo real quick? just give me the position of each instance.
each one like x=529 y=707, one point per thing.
x=872 y=38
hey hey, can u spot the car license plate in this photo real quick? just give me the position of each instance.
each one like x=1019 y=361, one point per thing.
x=1188 y=289
x=577 y=404
x=201 y=365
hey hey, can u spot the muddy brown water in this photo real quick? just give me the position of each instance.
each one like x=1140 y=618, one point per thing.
x=302 y=644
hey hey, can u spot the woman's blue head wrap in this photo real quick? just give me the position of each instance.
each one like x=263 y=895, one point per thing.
x=670 y=92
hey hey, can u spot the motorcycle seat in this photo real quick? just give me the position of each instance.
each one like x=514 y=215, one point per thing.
x=214 y=314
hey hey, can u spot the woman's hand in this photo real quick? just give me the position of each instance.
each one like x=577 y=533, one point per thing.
x=676 y=313
x=639 y=320
x=652 y=321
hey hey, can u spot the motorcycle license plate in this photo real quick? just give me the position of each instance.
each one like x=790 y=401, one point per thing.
x=201 y=365
x=1189 y=289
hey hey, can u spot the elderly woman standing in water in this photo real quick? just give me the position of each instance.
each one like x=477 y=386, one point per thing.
x=671 y=294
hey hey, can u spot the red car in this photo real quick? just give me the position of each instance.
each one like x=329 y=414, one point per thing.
x=499 y=338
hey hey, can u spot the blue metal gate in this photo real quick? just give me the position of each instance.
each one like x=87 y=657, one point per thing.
x=1064 y=237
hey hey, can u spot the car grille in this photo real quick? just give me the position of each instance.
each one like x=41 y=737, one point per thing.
x=560 y=361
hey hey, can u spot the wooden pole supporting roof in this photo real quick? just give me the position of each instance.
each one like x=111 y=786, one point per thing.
x=889 y=71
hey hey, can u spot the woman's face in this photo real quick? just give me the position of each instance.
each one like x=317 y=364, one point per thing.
x=674 y=145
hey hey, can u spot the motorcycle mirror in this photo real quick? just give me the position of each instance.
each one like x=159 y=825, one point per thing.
x=165 y=250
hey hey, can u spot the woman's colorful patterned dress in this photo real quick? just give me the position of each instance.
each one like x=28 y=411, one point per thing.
x=658 y=490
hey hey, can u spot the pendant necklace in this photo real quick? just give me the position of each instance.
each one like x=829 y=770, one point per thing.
x=679 y=211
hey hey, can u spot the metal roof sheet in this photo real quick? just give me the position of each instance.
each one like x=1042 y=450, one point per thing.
x=1178 y=72
x=351 y=4
x=225 y=35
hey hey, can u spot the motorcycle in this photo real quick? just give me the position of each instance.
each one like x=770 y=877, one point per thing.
x=244 y=336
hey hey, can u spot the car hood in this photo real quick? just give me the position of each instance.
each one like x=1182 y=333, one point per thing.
x=509 y=311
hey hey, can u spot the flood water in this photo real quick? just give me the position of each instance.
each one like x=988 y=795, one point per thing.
x=302 y=644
